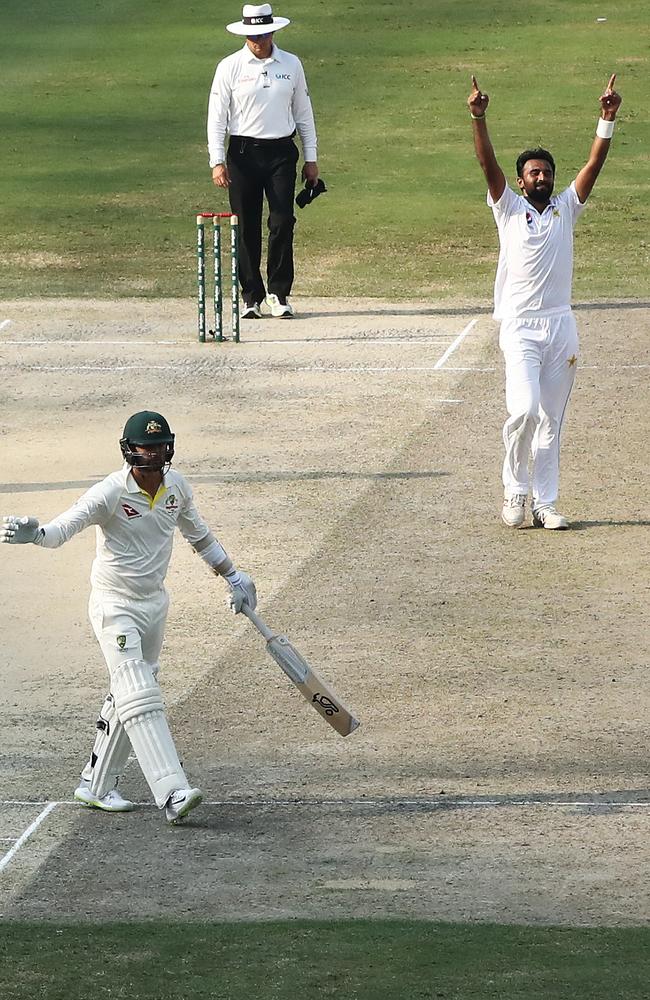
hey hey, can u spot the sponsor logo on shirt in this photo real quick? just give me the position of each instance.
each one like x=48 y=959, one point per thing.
x=529 y=219
x=130 y=511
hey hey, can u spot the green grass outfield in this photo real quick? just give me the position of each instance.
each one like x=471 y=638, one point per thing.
x=364 y=960
x=104 y=159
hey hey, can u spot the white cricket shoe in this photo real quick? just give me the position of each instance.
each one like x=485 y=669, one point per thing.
x=181 y=802
x=549 y=517
x=111 y=802
x=514 y=510
x=251 y=310
x=279 y=306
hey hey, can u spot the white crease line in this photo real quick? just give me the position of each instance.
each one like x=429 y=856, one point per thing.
x=448 y=801
x=96 y=343
x=182 y=369
x=101 y=368
x=456 y=343
x=352 y=339
x=466 y=368
x=27 y=834
x=358 y=369
x=596 y=368
x=5 y=323
x=444 y=800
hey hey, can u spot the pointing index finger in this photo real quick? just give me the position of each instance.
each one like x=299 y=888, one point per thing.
x=612 y=81
x=475 y=84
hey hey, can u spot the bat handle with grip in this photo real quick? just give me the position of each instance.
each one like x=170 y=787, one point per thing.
x=261 y=626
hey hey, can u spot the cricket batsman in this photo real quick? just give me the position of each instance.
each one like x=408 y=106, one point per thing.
x=135 y=512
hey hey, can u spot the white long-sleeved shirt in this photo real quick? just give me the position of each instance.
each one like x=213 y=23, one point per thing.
x=261 y=99
x=135 y=533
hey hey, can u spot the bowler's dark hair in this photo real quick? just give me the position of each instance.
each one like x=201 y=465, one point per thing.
x=534 y=154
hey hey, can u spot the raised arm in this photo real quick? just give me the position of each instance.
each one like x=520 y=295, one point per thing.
x=610 y=102
x=477 y=103
x=89 y=509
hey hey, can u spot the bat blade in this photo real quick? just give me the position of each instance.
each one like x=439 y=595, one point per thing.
x=310 y=684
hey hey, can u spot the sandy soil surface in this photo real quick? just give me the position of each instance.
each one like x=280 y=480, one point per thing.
x=501 y=768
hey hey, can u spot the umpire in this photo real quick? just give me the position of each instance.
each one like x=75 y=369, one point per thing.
x=259 y=97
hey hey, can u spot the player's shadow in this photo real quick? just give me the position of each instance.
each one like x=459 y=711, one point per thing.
x=610 y=523
x=631 y=304
x=313 y=476
x=287 y=476
x=398 y=311
x=481 y=310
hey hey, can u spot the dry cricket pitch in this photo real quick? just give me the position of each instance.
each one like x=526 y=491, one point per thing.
x=350 y=461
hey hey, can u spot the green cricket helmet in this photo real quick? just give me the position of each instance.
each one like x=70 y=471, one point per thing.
x=144 y=428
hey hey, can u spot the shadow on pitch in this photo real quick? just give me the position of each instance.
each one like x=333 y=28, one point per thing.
x=397 y=311
x=238 y=477
x=478 y=310
x=586 y=525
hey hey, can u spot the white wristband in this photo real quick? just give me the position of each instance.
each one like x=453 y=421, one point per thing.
x=215 y=556
x=605 y=129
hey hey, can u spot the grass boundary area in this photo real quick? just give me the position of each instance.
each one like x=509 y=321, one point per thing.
x=105 y=161
x=367 y=960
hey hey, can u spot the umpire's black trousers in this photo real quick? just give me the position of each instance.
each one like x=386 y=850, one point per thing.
x=259 y=167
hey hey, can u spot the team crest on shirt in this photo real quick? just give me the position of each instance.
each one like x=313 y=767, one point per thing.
x=171 y=503
x=556 y=213
x=130 y=511
x=529 y=219
x=121 y=641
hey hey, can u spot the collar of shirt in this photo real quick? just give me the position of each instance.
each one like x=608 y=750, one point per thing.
x=252 y=58
x=552 y=204
x=132 y=487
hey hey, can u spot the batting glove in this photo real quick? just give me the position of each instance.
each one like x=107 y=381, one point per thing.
x=20 y=530
x=242 y=591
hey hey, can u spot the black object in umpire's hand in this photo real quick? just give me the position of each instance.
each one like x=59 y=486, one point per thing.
x=308 y=193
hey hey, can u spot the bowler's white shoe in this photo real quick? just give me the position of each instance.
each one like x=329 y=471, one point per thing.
x=181 y=802
x=514 y=510
x=111 y=802
x=279 y=306
x=549 y=517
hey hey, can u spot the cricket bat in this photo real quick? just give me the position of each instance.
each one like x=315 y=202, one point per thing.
x=317 y=692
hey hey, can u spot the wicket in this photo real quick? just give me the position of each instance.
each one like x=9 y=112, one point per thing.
x=217 y=333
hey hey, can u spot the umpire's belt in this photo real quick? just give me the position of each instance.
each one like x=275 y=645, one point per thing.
x=247 y=140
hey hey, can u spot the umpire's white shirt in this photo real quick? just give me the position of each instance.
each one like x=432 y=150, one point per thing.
x=262 y=99
x=135 y=533
x=535 y=269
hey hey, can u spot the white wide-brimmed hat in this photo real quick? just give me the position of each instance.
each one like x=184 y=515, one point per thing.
x=257 y=20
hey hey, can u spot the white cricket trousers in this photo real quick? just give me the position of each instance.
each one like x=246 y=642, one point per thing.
x=126 y=629
x=541 y=357
x=129 y=629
